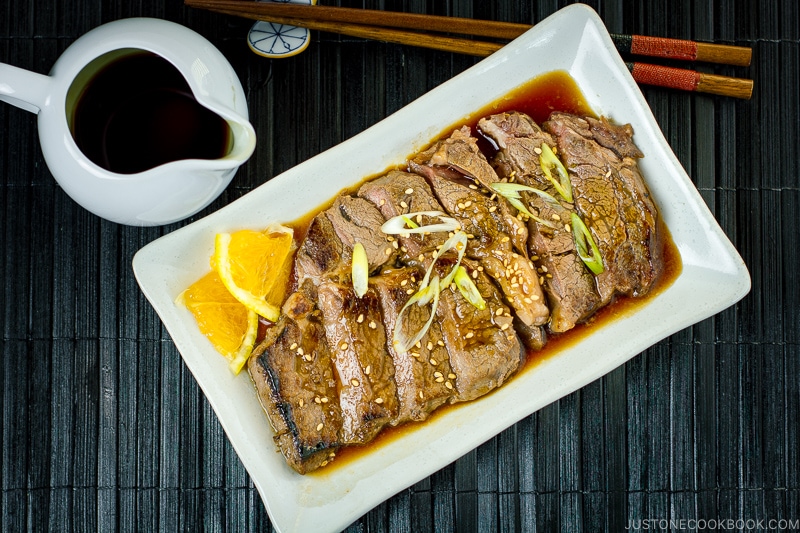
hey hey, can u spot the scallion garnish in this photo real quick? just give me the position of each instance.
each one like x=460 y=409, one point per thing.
x=457 y=242
x=360 y=270
x=549 y=161
x=510 y=191
x=401 y=342
x=468 y=289
x=403 y=224
x=582 y=237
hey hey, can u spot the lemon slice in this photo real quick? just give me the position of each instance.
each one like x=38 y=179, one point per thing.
x=222 y=319
x=250 y=262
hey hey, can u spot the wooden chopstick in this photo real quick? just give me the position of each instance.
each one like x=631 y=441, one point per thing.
x=380 y=26
x=634 y=44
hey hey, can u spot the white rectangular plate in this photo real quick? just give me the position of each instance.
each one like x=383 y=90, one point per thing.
x=713 y=276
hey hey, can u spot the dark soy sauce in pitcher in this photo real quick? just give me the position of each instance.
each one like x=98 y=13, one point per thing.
x=138 y=112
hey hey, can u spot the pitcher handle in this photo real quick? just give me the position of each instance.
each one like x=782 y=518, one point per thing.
x=23 y=88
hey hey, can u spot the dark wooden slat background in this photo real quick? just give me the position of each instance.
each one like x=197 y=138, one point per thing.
x=103 y=428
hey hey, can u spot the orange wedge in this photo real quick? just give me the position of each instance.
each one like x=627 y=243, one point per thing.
x=250 y=263
x=227 y=323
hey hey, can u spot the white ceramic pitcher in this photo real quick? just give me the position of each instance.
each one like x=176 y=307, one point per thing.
x=165 y=193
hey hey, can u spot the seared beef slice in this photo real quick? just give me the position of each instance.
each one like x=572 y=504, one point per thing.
x=357 y=339
x=483 y=347
x=399 y=193
x=613 y=200
x=423 y=375
x=320 y=253
x=295 y=381
x=570 y=286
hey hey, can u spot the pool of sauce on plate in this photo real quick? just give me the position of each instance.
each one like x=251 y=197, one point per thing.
x=555 y=91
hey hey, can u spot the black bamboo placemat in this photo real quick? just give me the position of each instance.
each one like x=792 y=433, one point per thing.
x=103 y=427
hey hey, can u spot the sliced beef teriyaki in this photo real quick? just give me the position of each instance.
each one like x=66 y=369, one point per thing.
x=490 y=245
x=613 y=201
x=337 y=368
x=570 y=287
x=296 y=384
x=460 y=153
x=422 y=373
x=483 y=347
x=321 y=251
x=355 y=333
x=358 y=220
x=399 y=193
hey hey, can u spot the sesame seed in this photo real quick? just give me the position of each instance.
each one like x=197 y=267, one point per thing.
x=395 y=245
x=541 y=280
x=469 y=335
x=430 y=345
x=378 y=400
x=343 y=346
x=324 y=399
x=388 y=251
x=474 y=274
x=498 y=312
x=460 y=205
x=493 y=209
x=368 y=370
x=307 y=357
x=433 y=361
x=354 y=382
x=437 y=374
x=383 y=202
x=448 y=385
x=439 y=379
x=360 y=318
x=440 y=343
x=537 y=150
x=421 y=257
x=403 y=205
x=404 y=283
x=535 y=297
x=414 y=354
x=504 y=327
x=520 y=230
x=468 y=203
x=608 y=174
x=293 y=346
x=505 y=239
x=372 y=324
x=451 y=376
x=421 y=396
x=514 y=285
x=473 y=187
x=317 y=400
x=409 y=291
x=299 y=351
x=319 y=426
x=403 y=249
x=567 y=228
x=301 y=402
x=527 y=300
x=555 y=217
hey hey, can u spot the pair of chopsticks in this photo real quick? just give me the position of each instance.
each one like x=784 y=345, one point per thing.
x=414 y=29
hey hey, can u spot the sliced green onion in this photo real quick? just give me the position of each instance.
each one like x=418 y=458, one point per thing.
x=403 y=224
x=582 y=236
x=548 y=161
x=458 y=242
x=360 y=270
x=468 y=289
x=510 y=191
x=410 y=223
x=400 y=341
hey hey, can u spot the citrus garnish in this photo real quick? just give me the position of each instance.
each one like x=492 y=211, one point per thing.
x=250 y=262
x=227 y=323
